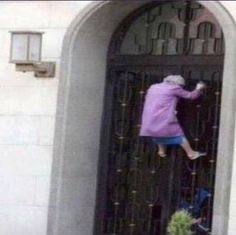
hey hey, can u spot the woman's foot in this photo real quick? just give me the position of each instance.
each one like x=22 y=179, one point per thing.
x=196 y=155
x=162 y=154
x=162 y=150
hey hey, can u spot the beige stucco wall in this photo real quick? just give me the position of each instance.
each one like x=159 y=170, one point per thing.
x=27 y=117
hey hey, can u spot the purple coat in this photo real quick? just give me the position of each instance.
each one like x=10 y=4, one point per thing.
x=159 y=112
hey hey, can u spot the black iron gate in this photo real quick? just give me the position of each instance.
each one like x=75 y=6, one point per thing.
x=137 y=190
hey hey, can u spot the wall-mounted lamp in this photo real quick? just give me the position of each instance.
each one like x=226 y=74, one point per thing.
x=25 y=52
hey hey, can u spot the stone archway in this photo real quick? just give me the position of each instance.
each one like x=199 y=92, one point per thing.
x=79 y=115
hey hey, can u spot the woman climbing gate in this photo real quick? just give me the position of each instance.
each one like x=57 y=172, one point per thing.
x=159 y=119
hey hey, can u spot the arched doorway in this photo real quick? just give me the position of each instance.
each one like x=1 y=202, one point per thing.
x=79 y=114
x=140 y=190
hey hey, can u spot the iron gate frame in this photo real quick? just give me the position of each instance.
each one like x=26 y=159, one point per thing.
x=117 y=62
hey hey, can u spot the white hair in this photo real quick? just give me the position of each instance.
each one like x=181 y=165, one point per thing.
x=176 y=79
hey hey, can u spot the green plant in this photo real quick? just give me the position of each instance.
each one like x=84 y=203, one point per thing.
x=180 y=223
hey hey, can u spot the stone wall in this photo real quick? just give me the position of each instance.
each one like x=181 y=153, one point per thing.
x=27 y=116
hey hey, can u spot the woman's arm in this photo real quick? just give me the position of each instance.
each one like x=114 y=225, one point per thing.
x=180 y=92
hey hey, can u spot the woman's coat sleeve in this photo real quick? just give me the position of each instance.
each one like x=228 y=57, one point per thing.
x=180 y=92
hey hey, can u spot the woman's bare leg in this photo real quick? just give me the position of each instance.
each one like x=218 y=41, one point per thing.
x=162 y=150
x=187 y=147
x=189 y=151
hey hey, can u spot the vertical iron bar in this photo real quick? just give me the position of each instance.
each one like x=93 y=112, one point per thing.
x=187 y=26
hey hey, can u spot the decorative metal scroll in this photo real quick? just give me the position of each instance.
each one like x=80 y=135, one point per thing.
x=163 y=30
x=201 y=121
x=134 y=191
x=139 y=190
x=139 y=181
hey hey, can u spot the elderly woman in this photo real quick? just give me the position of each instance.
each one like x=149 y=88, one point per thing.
x=159 y=119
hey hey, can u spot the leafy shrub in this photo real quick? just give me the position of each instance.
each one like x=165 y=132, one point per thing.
x=180 y=223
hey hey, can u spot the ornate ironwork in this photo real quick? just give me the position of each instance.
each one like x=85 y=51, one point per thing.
x=137 y=190
x=173 y=29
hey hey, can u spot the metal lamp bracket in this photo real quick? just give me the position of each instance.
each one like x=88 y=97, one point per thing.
x=41 y=70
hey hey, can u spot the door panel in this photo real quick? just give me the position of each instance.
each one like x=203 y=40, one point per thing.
x=142 y=189
x=137 y=190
